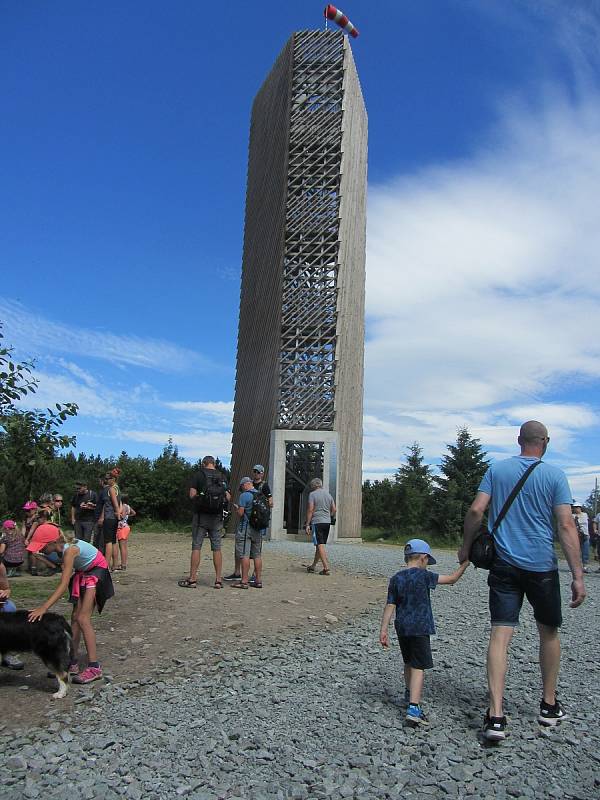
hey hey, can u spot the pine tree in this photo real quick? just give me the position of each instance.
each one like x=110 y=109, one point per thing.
x=414 y=483
x=461 y=472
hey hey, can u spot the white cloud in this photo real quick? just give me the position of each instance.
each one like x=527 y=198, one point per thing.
x=482 y=290
x=191 y=445
x=93 y=402
x=220 y=412
x=37 y=335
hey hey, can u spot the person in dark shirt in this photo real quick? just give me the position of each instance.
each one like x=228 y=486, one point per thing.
x=409 y=599
x=83 y=511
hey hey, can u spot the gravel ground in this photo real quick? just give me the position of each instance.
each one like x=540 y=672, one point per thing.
x=320 y=715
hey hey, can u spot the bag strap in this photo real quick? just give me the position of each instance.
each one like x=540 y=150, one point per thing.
x=512 y=496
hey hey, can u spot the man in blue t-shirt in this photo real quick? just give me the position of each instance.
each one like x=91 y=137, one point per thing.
x=525 y=565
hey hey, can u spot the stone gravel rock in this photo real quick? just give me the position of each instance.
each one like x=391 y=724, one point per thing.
x=320 y=714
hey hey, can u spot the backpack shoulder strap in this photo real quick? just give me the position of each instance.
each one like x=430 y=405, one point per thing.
x=512 y=496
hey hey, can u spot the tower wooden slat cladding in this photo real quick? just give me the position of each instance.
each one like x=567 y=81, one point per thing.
x=300 y=355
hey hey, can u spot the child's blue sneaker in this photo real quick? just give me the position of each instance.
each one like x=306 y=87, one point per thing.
x=415 y=715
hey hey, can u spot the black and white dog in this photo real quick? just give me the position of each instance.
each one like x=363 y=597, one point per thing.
x=49 y=638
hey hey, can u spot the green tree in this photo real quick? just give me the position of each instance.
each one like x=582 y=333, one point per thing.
x=461 y=472
x=28 y=439
x=380 y=506
x=415 y=486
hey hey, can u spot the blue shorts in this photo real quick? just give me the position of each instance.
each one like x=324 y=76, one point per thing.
x=509 y=585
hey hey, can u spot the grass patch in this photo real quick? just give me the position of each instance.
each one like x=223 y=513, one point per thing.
x=398 y=539
x=30 y=592
x=157 y=526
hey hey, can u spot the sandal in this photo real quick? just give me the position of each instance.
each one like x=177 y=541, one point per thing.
x=186 y=583
x=310 y=568
x=239 y=585
x=218 y=585
x=121 y=567
x=256 y=585
x=325 y=572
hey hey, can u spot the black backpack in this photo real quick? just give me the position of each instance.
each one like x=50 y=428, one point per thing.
x=211 y=498
x=260 y=513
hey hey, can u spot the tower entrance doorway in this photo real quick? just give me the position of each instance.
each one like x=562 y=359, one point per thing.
x=303 y=462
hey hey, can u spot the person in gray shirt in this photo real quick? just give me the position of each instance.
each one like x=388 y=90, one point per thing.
x=320 y=515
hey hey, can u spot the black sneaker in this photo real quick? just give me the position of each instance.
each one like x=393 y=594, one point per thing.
x=551 y=715
x=494 y=728
x=232 y=577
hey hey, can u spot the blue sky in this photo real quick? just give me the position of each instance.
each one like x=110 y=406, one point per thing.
x=123 y=163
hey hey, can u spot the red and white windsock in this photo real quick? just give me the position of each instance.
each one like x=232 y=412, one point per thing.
x=337 y=16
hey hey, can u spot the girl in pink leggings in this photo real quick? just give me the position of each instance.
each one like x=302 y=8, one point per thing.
x=86 y=574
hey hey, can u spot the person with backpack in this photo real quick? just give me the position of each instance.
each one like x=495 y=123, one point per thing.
x=253 y=511
x=210 y=495
x=259 y=483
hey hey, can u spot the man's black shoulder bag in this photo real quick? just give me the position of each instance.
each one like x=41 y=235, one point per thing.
x=483 y=550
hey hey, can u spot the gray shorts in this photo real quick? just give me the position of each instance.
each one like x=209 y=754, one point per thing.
x=248 y=543
x=84 y=529
x=204 y=525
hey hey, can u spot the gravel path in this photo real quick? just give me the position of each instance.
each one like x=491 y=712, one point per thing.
x=320 y=715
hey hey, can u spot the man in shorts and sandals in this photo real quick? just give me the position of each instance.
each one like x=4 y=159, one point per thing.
x=248 y=539
x=319 y=514
x=525 y=565
x=209 y=494
x=260 y=485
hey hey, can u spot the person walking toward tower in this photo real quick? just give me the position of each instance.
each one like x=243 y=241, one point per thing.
x=525 y=565
x=319 y=514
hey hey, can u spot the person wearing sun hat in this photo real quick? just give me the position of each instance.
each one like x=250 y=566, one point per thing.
x=409 y=600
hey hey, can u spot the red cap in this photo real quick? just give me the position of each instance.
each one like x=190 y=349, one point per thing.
x=43 y=535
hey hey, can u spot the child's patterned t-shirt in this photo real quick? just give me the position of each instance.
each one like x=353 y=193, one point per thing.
x=409 y=591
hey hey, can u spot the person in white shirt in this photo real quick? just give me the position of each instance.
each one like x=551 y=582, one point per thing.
x=583 y=529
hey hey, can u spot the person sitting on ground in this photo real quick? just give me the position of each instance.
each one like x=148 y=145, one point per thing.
x=7 y=606
x=123 y=531
x=57 y=507
x=409 y=599
x=319 y=515
x=86 y=575
x=12 y=548
x=47 y=529
x=248 y=540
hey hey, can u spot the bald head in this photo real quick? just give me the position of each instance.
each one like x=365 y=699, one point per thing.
x=533 y=438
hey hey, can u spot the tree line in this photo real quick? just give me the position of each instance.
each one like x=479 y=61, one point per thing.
x=33 y=461
x=415 y=502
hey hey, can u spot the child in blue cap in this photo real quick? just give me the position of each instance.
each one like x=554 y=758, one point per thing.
x=409 y=599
